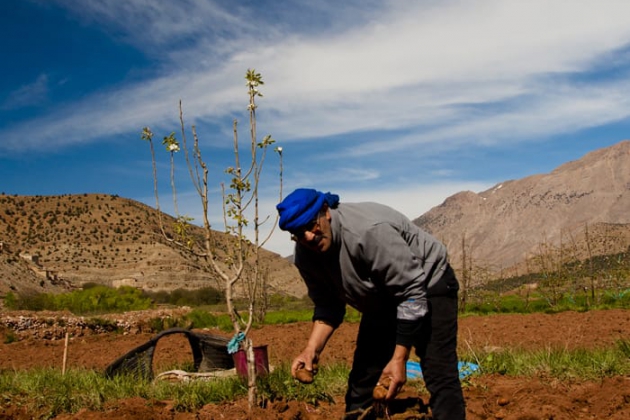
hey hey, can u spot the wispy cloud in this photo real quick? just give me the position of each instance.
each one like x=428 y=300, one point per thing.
x=546 y=111
x=158 y=24
x=31 y=94
x=187 y=28
x=428 y=67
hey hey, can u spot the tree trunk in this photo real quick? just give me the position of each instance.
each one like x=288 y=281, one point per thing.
x=251 y=373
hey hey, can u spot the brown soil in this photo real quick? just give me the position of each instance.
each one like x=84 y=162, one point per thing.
x=487 y=397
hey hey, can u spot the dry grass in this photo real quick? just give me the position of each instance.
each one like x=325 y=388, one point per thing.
x=105 y=239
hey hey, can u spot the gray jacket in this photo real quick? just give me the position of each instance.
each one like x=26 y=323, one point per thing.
x=378 y=260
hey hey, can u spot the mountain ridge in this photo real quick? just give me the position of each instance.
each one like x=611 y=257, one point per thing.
x=506 y=224
x=56 y=243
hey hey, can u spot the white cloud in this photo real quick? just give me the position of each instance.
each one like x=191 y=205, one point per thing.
x=156 y=24
x=412 y=65
x=428 y=76
x=411 y=200
x=28 y=95
x=547 y=111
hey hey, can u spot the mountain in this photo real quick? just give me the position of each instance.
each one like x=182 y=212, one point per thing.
x=582 y=206
x=56 y=243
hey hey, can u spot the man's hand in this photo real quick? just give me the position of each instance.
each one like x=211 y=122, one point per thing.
x=395 y=372
x=304 y=366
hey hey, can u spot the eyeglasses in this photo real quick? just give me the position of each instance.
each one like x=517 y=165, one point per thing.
x=297 y=235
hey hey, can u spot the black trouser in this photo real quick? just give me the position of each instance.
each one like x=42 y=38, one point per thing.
x=436 y=346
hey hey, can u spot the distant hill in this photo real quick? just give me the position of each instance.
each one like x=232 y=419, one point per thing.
x=53 y=243
x=502 y=227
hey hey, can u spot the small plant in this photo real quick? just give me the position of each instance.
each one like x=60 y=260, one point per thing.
x=624 y=347
x=10 y=337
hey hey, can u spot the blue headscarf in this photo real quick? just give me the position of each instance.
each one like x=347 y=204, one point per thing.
x=301 y=207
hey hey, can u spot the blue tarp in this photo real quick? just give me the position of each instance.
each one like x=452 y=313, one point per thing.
x=465 y=369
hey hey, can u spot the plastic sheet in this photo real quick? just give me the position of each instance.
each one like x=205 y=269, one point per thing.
x=414 y=371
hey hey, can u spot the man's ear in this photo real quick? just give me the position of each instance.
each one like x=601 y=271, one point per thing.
x=327 y=210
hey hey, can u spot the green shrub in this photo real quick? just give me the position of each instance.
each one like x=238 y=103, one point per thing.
x=202 y=319
x=185 y=297
x=10 y=301
x=10 y=337
x=616 y=298
x=97 y=299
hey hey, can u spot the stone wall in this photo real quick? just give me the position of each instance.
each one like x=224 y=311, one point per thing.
x=52 y=326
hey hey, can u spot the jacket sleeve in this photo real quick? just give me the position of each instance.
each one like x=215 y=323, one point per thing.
x=328 y=306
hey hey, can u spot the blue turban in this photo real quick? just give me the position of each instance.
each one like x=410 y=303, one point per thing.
x=301 y=207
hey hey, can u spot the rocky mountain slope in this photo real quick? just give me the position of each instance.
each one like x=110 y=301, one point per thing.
x=52 y=243
x=582 y=206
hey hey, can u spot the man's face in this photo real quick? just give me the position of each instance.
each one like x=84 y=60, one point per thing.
x=317 y=237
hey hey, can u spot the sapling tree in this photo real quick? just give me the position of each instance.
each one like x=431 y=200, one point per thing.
x=239 y=262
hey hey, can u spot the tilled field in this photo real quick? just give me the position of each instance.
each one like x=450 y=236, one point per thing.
x=487 y=397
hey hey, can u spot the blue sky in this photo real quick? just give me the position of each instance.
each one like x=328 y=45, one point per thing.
x=400 y=102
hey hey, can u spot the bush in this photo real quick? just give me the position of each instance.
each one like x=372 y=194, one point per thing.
x=97 y=299
x=10 y=337
x=185 y=297
x=10 y=301
x=202 y=319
